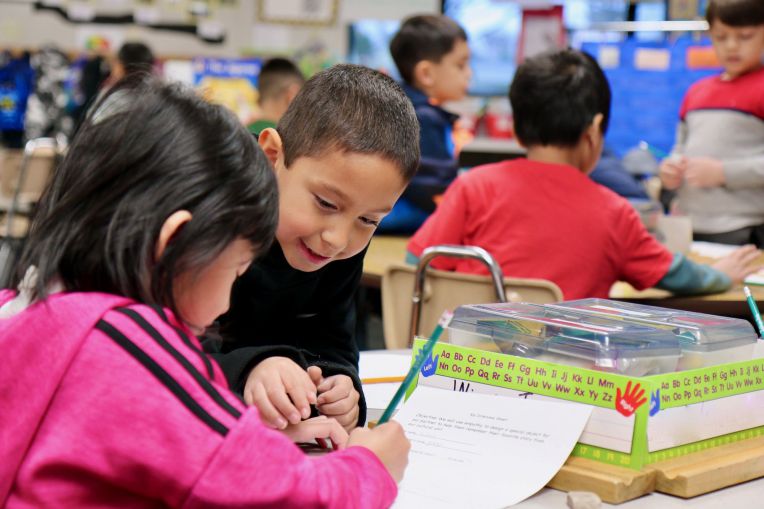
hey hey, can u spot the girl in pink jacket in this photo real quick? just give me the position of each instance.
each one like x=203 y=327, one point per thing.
x=106 y=398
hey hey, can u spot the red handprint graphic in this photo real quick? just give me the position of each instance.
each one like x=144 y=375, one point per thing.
x=628 y=402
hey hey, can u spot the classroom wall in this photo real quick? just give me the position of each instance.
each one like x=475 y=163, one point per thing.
x=22 y=26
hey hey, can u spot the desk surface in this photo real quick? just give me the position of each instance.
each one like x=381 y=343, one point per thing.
x=387 y=250
x=494 y=145
x=384 y=250
x=742 y=496
x=483 y=150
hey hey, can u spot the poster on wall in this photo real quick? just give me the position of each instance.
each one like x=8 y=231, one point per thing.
x=541 y=30
x=298 y=12
x=99 y=38
x=231 y=82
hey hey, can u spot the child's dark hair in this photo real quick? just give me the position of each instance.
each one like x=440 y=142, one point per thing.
x=425 y=37
x=136 y=57
x=275 y=75
x=736 y=13
x=555 y=97
x=148 y=150
x=352 y=108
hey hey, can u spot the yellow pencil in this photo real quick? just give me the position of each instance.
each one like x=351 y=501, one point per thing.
x=383 y=380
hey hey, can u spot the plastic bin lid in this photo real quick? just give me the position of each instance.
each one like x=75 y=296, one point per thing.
x=695 y=331
x=555 y=330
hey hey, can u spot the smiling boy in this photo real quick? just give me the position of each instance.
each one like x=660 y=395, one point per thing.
x=343 y=154
x=717 y=164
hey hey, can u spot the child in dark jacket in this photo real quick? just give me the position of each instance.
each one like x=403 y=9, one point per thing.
x=433 y=58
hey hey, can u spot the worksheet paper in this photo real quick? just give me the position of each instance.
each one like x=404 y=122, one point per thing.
x=479 y=450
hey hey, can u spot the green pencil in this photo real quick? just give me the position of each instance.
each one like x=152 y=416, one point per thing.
x=754 y=310
x=445 y=319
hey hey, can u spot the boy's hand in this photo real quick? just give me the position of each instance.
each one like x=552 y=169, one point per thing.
x=281 y=390
x=672 y=172
x=320 y=427
x=337 y=397
x=704 y=172
x=737 y=264
x=388 y=442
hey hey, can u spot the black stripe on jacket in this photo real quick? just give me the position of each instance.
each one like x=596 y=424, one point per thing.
x=163 y=376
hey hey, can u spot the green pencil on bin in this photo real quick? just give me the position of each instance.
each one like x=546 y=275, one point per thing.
x=445 y=319
x=754 y=311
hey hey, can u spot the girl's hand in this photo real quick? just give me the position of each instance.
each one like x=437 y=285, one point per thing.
x=337 y=397
x=388 y=442
x=320 y=427
x=281 y=390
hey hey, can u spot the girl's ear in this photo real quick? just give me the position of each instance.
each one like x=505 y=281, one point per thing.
x=270 y=142
x=170 y=227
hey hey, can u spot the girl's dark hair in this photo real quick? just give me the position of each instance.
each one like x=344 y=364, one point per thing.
x=148 y=150
x=555 y=97
x=736 y=13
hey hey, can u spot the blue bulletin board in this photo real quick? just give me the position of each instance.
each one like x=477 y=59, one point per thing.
x=648 y=81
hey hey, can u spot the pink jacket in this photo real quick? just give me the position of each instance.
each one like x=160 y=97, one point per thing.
x=105 y=402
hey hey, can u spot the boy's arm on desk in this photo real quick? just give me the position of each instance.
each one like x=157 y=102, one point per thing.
x=702 y=254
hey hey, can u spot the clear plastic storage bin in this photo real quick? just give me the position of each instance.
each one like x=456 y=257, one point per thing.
x=706 y=340
x=555 y=335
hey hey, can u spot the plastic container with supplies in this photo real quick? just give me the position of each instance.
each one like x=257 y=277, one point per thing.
x=542 y=333
x=706 y=340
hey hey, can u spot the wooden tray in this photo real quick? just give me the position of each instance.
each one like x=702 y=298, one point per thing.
x=687 y=476
x=613 y=484
x=710 y=470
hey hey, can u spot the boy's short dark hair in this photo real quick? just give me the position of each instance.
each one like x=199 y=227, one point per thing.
x=736 y=13
x=555 y=97
x=352 y=108
x=147 y=150
x=425 y=37
x=136 y=57
x=275 y=75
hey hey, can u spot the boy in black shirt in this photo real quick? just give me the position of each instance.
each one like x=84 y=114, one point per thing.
x=343 y=154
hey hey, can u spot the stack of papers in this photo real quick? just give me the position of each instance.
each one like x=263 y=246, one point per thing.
x=756 y=278
x=711 y=249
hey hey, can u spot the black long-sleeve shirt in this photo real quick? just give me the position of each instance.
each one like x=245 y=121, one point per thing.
x=308 y=317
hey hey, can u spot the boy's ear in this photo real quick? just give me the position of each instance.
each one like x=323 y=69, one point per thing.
x=593 y=141
x=423 y=75
x=170 y=228
x=594 y=131
x=270 y=142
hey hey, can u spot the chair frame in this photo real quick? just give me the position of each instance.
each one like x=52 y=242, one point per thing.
x=428 y=255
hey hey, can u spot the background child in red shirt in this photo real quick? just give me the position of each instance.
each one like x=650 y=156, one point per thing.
x=542 y=217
